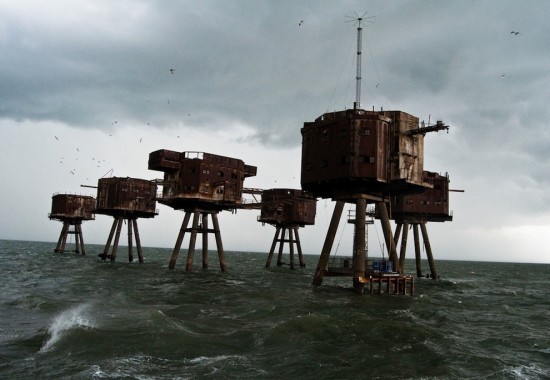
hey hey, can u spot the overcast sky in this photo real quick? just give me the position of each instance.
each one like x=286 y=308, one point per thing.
x=86 y=91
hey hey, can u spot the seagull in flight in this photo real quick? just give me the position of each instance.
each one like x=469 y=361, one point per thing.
x=172 y=71
x=502 y=76
x=301 y=23
x=513 y=32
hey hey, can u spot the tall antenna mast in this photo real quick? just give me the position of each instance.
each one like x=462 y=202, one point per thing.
x=358 y=20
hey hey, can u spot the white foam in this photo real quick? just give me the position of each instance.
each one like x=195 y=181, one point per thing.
x=67 y=320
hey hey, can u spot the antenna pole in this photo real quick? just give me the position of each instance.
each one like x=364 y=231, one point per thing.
x=358 y=76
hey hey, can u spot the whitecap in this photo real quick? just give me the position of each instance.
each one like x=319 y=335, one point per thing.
x=67 y=320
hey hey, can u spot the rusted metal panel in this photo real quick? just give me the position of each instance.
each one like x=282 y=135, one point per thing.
x=71 y=206
x=164 y=159
x=431 y=205
x=201 y=179
x=117 y=196
x=287 y=207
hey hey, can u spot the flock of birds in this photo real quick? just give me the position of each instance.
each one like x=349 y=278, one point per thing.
x=172 y=72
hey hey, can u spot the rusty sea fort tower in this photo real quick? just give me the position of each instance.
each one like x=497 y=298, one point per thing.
x=365 y=157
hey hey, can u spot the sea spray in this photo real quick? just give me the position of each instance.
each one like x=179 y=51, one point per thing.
x=76 y=317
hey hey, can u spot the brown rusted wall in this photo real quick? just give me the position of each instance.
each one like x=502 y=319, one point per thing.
x=361 y=151
x=433 y=203
x=287 y=207
x=70 y=206
x=338 y=147
x=129 y=195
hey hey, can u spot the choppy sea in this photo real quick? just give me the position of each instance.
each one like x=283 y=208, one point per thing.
x=67 y=316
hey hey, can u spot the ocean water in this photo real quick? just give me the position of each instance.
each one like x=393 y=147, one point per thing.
x=67 y=316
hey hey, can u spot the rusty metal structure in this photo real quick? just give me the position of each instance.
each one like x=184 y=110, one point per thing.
x=287 y=210
x=202 y=184
x=125 y=199
x=359 y=156
x=72 y=210
x=414 y=210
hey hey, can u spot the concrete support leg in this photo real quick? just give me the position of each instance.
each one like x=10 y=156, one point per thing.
x=138 y=241
x=273 y=245
x=64 y=240
x=177 y=247
x=130 y=241
x=205 y=240
x=281 y=246
x=428 y=250
x=192 y=241
x=403 y=250
x=291 y=243
x=359 y=246
x=81 y=238
x=386 y=228
x=109 y=240
x=327 y=246
x=120 y=221
x=417 y=251
x=76 y=238
x=397 y=233
x=219 y=245
x=60 y=240
x=299 y=247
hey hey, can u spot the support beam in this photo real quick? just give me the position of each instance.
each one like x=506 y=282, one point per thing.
x=78 y=226
x=192 y=242
x=204 y=228
x=299 y=247
x=138 y=241
x=417 y=251
x=273 y=245
x=219 y=245
x=329 y=241
x=117 y=237
x=109 y=239
x=386 y=228
x=359 y=246
x=177 y=247
x=403 y=250
x=130 y=240
x=428 y=250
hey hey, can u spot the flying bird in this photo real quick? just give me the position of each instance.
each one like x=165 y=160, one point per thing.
x=300 y=23
x=502 y=76
x=172 y=71
x=513 y=32
x=56 y=138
